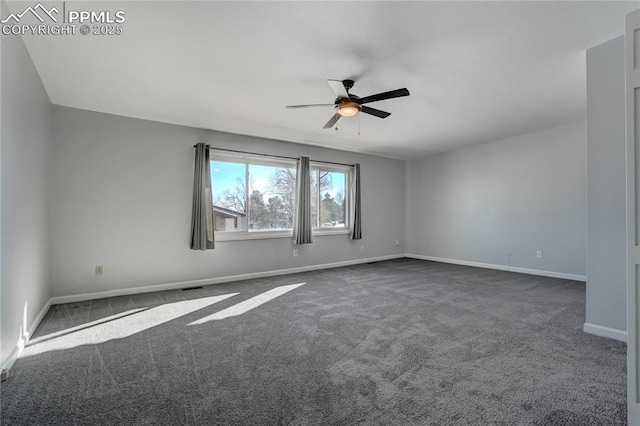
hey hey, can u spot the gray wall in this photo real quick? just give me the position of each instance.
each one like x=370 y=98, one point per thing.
x=26 y=149
x=521 y=194
x=606 y=232
x=121 y=198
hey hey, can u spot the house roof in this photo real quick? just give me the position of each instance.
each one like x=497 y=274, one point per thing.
x=224 y=212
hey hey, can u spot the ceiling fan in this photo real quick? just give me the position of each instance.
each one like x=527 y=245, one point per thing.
x=348 y=104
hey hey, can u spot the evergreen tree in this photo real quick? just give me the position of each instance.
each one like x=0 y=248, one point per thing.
x=258 y=213
x=277 y=214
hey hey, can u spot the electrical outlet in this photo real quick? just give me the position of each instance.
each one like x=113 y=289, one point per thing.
x=397 y=243
x=361 y=248
x=98 y=270
x=539 y=254
x=295 y=252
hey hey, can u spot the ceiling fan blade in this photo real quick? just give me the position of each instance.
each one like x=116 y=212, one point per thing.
x=338 y=87
x=382 y=96
x=332 y=121
x=376 y=112
x=310 y=106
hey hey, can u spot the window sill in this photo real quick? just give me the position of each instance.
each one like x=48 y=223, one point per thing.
x=239 y=236
x=326 y=231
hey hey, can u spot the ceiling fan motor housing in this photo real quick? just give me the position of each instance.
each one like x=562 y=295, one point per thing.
x=348 y=84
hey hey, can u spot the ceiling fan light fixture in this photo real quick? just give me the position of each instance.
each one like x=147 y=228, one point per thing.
x=348 y=109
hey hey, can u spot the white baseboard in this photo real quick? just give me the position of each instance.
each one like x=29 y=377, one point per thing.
x=24 y=339
x=599 y=330
x=207 y=281
x=502 y=267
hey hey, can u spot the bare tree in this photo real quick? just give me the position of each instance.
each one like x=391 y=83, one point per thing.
x=235 y=199
x=283 y=185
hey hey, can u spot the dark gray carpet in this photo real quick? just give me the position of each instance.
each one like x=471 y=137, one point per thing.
x=402 y=342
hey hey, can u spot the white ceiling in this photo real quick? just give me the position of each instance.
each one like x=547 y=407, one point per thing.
x=477 y=71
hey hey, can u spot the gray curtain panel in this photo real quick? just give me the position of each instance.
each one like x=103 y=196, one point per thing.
x=202 y=214
x=356 y=225
x=302 y=217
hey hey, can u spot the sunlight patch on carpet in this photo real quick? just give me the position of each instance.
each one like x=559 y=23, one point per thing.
x=248 y=304
x=118 y=326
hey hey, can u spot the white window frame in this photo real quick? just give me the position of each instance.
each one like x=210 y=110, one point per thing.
x=249 y=159
x=316 y=166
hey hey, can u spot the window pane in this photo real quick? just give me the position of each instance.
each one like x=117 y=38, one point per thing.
x=332 y=199
x=228 y=184
x=271 y=196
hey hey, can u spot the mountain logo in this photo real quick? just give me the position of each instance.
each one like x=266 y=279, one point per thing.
x=34 y=11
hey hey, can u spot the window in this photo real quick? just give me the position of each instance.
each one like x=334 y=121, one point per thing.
x=229 y=189
x=328 y=199
x=256 y=196
x=253 y=197
x=271 y=199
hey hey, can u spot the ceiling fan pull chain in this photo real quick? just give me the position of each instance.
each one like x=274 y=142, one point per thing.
x=358 y=124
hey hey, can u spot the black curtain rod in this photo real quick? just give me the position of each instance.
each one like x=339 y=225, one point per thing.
x=278 y=156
